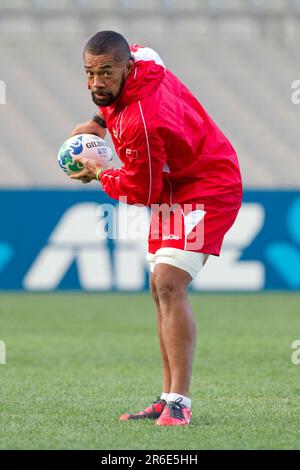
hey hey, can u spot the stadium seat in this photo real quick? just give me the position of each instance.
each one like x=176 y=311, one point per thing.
x=87 y=7
x=268 y=6
x=231 y=6
x=183 y=8
x=295 y=4
x=191 y=28
x=145 y=30
x=136 y=6
x=46 y=6
x=54 y=26
x=15 y=6
x=243 y=28
x=17 y=26
x=291 y=31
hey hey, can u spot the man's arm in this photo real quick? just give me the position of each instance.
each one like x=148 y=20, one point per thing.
x=139 y=181
x=91 y=127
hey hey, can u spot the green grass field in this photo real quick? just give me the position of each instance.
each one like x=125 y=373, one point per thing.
x=76 y=362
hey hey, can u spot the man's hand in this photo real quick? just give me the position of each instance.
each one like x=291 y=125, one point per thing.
x=89 y=127
x=89 y=171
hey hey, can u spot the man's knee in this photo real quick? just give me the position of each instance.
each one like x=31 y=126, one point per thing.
x=170 y=283
x=167 y=291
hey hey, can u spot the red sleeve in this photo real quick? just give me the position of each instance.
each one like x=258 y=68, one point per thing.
x=140 y=179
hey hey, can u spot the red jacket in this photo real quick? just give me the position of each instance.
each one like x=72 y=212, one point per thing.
x=171 y=150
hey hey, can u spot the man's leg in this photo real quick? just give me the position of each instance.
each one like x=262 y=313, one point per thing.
x=178 y=328
x=156 y=408
x=164 y=356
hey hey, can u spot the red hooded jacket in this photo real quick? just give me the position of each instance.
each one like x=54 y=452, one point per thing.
x=171 y=150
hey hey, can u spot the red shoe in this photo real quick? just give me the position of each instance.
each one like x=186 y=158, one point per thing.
x=151 y=412
x=175 y=414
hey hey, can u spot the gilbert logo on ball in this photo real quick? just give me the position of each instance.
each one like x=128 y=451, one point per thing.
x=87 y=146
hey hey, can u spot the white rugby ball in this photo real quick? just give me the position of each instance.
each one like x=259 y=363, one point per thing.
x=87 y=146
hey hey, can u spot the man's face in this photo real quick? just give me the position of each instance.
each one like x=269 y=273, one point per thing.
x=106 y=77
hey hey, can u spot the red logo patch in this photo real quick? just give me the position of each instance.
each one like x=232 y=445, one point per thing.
x=132 y=154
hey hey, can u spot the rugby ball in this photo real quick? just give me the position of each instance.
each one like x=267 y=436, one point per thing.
x=87 y=146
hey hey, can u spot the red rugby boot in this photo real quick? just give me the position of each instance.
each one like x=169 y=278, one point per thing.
x=175 y=414
x=151 y=412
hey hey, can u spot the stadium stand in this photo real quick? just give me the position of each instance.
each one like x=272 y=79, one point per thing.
x=239 y=57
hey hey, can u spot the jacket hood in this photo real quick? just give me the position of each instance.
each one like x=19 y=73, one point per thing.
x=147 y=73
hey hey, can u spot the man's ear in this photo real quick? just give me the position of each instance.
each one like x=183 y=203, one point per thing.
x=129 y=67
x=89 y=86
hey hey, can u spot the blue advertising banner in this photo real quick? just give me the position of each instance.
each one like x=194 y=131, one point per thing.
x=82 y=240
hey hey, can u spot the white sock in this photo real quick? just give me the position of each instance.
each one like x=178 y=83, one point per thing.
x=164 y=396
x=185 y=400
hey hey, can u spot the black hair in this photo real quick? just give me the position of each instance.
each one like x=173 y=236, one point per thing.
x=105 y=42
